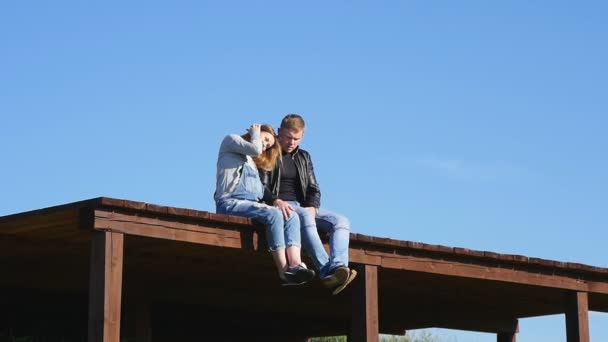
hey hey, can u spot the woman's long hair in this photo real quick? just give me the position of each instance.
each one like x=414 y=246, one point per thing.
x=268 y=159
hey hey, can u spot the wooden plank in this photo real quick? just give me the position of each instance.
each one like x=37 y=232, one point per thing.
x=577 y=317
x=40 y=222
x=165 y=229
x=364 y=322
x=48 y=211
x=477 y=271
x=105 y=287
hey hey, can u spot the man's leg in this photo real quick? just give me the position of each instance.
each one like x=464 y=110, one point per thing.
x=338 y=228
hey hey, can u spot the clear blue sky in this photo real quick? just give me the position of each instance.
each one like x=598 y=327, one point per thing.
x=478 y=124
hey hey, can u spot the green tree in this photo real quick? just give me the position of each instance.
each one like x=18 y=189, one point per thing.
x=422 y=336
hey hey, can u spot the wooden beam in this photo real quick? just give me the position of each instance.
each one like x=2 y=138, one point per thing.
x=364 y=322
x=394 y=260
x=577 y=317
x=105 y=287
x=169 y=230
x=209 y=234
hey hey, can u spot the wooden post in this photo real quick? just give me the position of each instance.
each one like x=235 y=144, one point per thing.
x=364 y=322
x=510 y=334
x=506 y=337
x=577 y=317
x=105 y=286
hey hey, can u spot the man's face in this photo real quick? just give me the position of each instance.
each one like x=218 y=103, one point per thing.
x=290 y=139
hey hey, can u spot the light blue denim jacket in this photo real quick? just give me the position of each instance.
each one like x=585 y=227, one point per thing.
x=234 y=156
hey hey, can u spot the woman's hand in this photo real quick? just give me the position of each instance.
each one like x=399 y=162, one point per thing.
x=255 y=129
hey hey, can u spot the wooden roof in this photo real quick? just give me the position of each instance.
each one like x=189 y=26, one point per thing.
x=187 y=263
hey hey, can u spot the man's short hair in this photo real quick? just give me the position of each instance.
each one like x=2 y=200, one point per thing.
x=292 y=122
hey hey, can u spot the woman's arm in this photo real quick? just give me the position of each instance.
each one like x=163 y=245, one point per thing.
x=236 y=144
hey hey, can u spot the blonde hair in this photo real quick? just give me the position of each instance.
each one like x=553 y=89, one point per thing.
x=268 y=159
x=292 y=122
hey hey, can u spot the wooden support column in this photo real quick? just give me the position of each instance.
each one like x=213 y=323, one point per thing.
x=510 y=334
x=364 y=322
x=105 y=286
x=506 y=337
x=577 y=317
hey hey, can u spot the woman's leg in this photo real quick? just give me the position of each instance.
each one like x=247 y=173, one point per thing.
x=292 y=240
x=271 y=217
x=280 y=261
x=297 y=272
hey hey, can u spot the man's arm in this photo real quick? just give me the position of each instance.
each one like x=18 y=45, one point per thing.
x=313 y=191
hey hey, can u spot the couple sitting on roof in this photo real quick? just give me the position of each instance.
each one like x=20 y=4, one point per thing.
x=268 y=178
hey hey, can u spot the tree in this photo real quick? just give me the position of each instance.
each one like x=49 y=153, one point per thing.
x=422 y=336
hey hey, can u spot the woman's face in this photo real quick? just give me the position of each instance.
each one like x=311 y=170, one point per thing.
x=267 y=141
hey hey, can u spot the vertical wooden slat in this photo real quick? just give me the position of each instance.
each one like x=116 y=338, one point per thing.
x=364 y=322
x=577 y=317
x=105 y=286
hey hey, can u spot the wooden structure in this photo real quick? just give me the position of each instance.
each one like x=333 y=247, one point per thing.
x=108 y=268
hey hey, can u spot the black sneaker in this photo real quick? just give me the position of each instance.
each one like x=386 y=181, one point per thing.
x=297 y=275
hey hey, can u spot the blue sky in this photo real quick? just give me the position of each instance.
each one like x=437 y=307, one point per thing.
x=476 y=124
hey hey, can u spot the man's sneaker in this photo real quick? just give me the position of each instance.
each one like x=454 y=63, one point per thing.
x=297 y=275
x=342 y=286
x=338 y=276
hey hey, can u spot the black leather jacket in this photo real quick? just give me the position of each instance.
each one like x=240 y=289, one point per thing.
x=310 y=187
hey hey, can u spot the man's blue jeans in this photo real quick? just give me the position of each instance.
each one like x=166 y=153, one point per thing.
x=338 y=228
x=279 y=233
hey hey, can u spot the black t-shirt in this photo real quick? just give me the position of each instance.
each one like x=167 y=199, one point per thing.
x=290 y=189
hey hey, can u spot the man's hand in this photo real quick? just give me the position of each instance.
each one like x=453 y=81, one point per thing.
x=285 y=207
x=312 y=211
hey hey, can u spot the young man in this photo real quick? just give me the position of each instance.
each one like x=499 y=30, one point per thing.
x=294 y=190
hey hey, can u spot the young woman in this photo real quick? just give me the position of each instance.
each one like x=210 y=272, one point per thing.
x=239 y=192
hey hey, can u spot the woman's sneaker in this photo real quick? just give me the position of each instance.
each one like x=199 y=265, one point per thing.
x=297 y=275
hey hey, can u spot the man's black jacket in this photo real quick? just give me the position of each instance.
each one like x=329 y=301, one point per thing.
x=308 y=181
